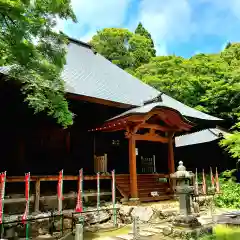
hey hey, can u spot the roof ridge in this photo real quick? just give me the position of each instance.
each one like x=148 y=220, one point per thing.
x=79 y=42
x=216 y=135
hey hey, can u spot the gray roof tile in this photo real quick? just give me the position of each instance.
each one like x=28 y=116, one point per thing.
x=93 y=75
x=204 y=136
x=90 y=74
x=170 y=103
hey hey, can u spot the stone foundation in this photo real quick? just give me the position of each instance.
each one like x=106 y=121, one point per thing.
x=186 y=233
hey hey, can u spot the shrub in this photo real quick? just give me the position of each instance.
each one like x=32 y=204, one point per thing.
x=230 y=191
x=223 y=232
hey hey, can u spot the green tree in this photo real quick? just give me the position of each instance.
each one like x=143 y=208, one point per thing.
x=122 y=47
x=143 y=32
x=140 y=50
x=36 y=52
x=232 y=142
x=183 y=79
x=113 y=43
x=208 y=82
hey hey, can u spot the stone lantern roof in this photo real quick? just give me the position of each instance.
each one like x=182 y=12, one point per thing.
x=182 y=172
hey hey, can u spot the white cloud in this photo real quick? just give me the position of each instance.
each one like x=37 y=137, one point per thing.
x=88 y=36
x=176 y=21
x=59 y=25
x=161 y=49
x=93 y=15
x=99 y=14
x=167 y=21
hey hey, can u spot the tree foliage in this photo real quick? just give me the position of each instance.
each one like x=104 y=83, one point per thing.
x=143 y=32
x=207 y=82
x=36 y=52
x=122 y=47
x=230 y=190
x=232 y=142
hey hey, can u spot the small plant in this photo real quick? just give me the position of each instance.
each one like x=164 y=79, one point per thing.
x=208 y=237
x=229 y=175
x=230 y=191
x=223 y=232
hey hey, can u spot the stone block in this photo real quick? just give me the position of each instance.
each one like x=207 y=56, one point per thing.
x=144 y=214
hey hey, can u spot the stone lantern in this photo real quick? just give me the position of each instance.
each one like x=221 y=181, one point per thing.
x=184 y=188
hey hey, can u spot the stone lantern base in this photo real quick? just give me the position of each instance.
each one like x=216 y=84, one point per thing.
x=189 y=221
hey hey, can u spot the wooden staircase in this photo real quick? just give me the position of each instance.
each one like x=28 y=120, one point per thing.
x=147 y=183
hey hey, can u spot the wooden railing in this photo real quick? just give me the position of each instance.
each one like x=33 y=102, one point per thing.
x=39 y=179
x=122 y=184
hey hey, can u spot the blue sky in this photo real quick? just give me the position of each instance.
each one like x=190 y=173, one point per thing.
x=181 y=27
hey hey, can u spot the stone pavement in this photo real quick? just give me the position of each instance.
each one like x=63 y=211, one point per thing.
x=146 y=232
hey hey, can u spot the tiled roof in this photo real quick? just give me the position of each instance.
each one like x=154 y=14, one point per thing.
x=204 y=136
x=89 y=74
x=169 y=102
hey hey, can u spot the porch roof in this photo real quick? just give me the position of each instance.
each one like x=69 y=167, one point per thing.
x=204 y=136
x=168 y=102
x=159 y=118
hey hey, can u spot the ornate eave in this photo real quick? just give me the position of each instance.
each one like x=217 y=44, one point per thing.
x=150 y=126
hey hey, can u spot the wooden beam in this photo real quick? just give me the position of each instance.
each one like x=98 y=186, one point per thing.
x=53 y=197
x=37 y=195
x=148 y=137
x=54 y=178
x=171 y=163
x=97 y=100
x=156 y=127
x=133 y=168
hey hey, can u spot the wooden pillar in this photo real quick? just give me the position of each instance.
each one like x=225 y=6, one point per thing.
x=37 y=196
x=171 y=164
x=133 y=168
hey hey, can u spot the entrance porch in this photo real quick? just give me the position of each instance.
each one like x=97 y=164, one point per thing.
x=152 y=123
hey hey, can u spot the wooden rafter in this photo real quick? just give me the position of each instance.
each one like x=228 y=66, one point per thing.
x=152 y=137
x=157 y=127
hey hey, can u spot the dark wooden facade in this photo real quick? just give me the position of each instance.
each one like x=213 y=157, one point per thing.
x=35 y=143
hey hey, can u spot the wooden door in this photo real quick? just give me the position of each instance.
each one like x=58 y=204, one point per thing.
x=148 y=164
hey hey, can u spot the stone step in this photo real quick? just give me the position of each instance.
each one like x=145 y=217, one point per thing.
x=125 y=237
x=152 y=230
x=161 y=226
x=144 y=233
x=109 y=238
